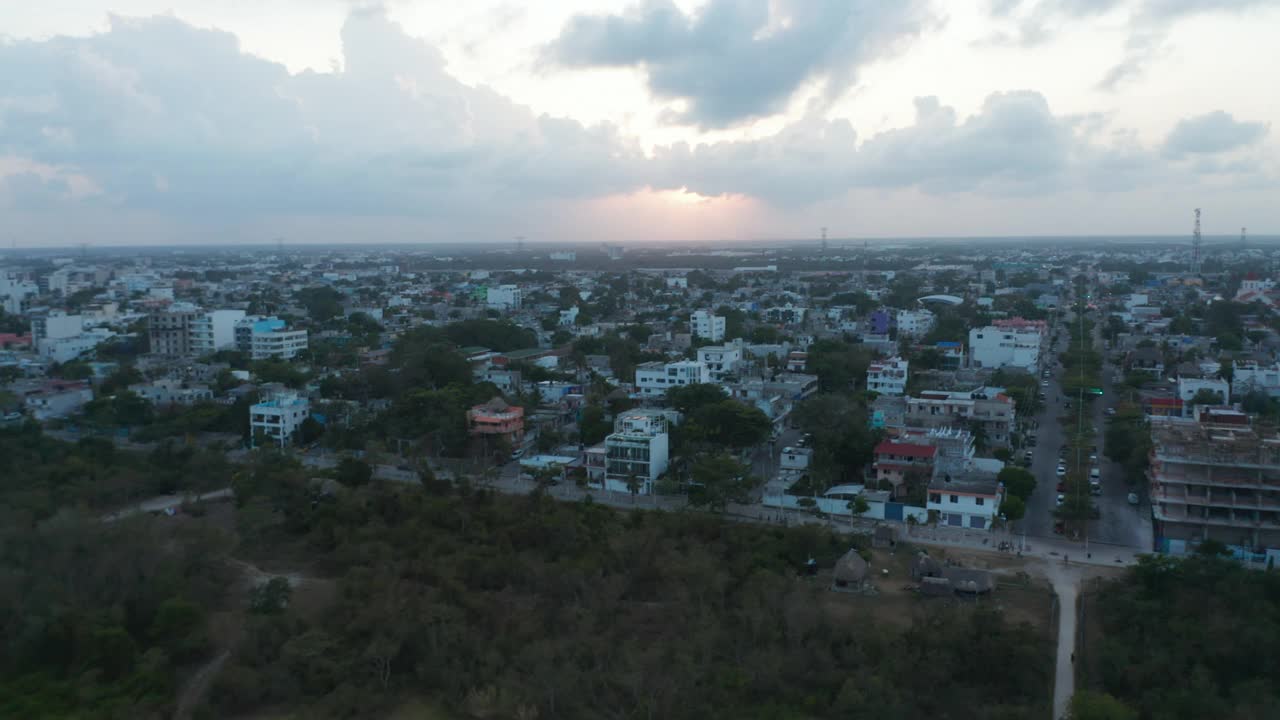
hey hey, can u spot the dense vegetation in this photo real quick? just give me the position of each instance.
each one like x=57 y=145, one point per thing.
x=1196 y=638
x=525 y=607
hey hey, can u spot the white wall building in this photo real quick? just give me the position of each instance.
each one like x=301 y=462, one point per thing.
x=565 y=256
x=14 y=290
x=653 y=379
x=507 y=297
x=707 y=326
x=677 y=283
x=214 y=331
x=888 y=377
x=569 y=318
x=638 y=448
x=1188 y=387
x=967 y=502
x=1249 y=375
x=993 y=347
x=720 y=360
x=54 y=326
x=279 y=417
x=914 y=323
x=69 y=348
x=267 y=337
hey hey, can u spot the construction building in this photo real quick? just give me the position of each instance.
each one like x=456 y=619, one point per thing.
x=1216 y=477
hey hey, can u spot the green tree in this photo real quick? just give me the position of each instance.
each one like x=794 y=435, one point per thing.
x=1013 y=508
x=1018 y=482
x=353 y=473
x=271 y=597
x=717 y=480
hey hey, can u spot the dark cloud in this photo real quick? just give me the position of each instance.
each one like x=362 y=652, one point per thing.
x=735 y=60
x=1213 y=132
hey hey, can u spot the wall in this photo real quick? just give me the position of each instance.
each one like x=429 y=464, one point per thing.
x=840 y=507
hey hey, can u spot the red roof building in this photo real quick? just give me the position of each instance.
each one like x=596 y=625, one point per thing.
x=895 y=461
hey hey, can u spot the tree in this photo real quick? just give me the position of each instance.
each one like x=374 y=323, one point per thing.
x=688 y=399
x=858 y=505
x=593 y=428
x=1018 y=482
x=716 y=481
x=1013 y=508
x=271 y=597
x=353 y=473
x=1205 y=396
x=1088 y=705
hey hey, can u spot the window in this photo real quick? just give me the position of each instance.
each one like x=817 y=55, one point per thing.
x=955 y=498
x=935 y=498
x=978 y=501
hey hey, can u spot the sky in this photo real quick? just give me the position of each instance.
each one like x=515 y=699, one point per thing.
x=247 y=121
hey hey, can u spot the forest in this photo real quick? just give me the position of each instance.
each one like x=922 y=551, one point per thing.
x=485 y=606
x=1188 y=639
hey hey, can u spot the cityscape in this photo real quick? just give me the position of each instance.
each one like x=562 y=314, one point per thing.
x=499 y=363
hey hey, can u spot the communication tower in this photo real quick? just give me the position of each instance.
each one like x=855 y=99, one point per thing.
x=1195 y=246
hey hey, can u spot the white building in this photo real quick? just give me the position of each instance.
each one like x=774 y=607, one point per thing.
x=69 y=348
x=679 y=283
x=14 y=290
x=720 y=360
x=1188 y=387
x=653 y=379
x=214 y=331
x=506 y=297
x=969 y=500
x=569 y=318
x=1249 y=375
x=278 y=418
x=566 y=256
x=914 y=323
x=53 y=326
x=267 y=337
x=636 y=451
x=172 y=392
x=707 y=326
x=888 y=377
x=993 y=347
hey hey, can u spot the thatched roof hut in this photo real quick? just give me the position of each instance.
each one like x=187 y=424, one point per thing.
x=850 y=571
x=925 y=566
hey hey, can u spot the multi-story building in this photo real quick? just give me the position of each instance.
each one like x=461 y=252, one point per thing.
x=896 y=462
x=969 y=500
x=52 y=326
x=720 y=360
x=278 y=418
x=987 y=408
x=1249 y=375
x=506 y=297
x=707 y=326
x=653 y=379
x=1189 y=388
x=636 y=452
x=1216 y=477
x=14 y=291
x=169 y=330
x=496 y=420
x=268 y=337
x=172 y=392
x=888 y=377
x=214 y=330
x=914 y=323
x=993 y=347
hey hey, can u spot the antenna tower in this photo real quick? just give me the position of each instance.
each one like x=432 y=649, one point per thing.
x=824 y=239
x=1195 y=246
x=1244 y=237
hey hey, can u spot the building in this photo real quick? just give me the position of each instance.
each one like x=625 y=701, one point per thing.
x=262 y=338
x=69 y=348
x=214 y=331
x=636 y=452
x=987 y=408
x=278 y=419
x=505 y=297
x=496 y=420
x=14 y=291
x=1249 y=376
x=1215 y=477
x=569 y=318
x=653 y=379
x=57 y=399
x=720 y=360
x=897 y=462
x=1189 y=387
x=994 y=347
x=888 y=377
x=172 y=392
x=56 y=325
x=169 y=330
x=914 y=323
x=970 y=499
x=564 y=256
x=707 y=326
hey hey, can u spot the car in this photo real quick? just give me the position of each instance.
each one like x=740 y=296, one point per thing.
x=1111 y=412
x=1062 y=471
x=1093 y=457
x=1062 y=487
x=517 y=454
x=1095 y=488
x=1044 y=383
x=1059 y=527
x=1061 y=499
x=1133 y=498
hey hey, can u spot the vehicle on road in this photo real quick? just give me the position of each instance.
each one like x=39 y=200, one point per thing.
x=1044 y=383
x=1062 y=487
x=1133 y=498
x=1062 y=471
x=517 y=453
x=1111 y=412
x=1061 y=499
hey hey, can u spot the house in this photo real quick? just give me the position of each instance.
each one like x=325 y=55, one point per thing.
x=969 y=500
x=1189 y=387
x=57 y=399
x=721 y=360
x=636 y=452
x=496 y=420
x=1147 y=360
x=1250 y=375
x=850 y=572
x=994 y=347
x=896 y=461
x=888 y=377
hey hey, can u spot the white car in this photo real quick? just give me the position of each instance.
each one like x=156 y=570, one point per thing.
x=1062 y=471
x=1044 y=383
x=1061 y=499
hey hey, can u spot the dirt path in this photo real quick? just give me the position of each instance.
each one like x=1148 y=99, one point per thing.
x=192 y=694
x=1066 y=583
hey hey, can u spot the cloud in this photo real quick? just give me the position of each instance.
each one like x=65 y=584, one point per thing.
x=736 y=60
x=1214 y=132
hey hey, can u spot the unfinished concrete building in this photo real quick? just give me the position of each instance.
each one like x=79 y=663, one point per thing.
x=1216 y=477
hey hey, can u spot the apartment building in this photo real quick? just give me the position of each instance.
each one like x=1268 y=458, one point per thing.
x=989 y=407
x=720 y=360
x=1216 y=477
x=57 y=325
x=505 y=297
x=707 y=326
x=637 y=450
x=214 y=330
x=268 y=337
x=653 y=379
x=888 y=377
x=169 y=330
x=278 y=419
x=496 y=420
x=1013 y=347
x=914 y=323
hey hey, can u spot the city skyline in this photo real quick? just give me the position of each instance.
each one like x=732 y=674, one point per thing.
x=139 y=122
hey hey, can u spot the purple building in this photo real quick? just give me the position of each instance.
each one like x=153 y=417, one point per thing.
x=879 y=321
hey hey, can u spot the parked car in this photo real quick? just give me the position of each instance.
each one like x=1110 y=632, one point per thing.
x=1133 y=498
x=1062 y=471
x=1061 y=499
x=1111 y=412
x=517 y=454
